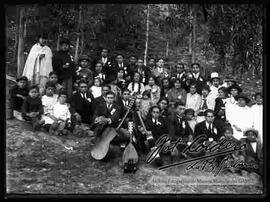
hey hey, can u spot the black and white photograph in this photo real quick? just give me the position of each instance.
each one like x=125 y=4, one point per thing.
x=134 y=99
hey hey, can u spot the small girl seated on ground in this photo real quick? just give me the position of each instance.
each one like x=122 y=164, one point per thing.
x=18 y=93
x=96 y=88
x=32 y=108
x=61 y=116
x=49 y=100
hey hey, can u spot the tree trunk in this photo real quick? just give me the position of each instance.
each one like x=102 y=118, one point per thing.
x=194 y=27
x=17 y=33
x=78 y=34
x=167 y=48
x=82 y=32
x=190 y=34
x=147 y=34
x=20 y=58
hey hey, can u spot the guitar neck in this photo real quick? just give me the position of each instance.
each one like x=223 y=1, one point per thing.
x=141 y=120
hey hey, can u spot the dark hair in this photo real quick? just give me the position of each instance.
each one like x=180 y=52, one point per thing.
x=209 y=111
x=189 y=110
x=195 y=63
x=33 y=87
x=224 y=89
x=22 y=78
x=153 y=107
x=153 y=77
x=258 y=94
x=82 y=81
x=99 y=62
x=146 y=92
x=53 y=73
x=64 y=41
x=110 y=93
x=50 y=84
x=177 y=79
x=163 y=98
x=126 y=89
x=225 y=128
x=179 y=103
x=193 y=83
x=106 y=85
x=121 y=69
x=62 y=92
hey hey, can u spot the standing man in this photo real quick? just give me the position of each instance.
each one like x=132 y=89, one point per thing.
x=197 y=77
x=160 y=72
x=39 y=62
x=131 y=68
x=143 y=71
x=151 y=64
x=64 y=66
x=107 y=65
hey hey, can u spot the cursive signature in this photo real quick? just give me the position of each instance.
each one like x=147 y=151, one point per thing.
x=206 y=162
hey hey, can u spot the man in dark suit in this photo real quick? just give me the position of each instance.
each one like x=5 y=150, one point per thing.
x=209 y=127
x=106 y=115
x=100 y=73
x=131 y=66
x=120 y=64
x=197 y=77
x=81 y=103
x=107 y=65
x=143 y=71
x=123 y=102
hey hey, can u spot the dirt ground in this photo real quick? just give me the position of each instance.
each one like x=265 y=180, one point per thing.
x=42 y=164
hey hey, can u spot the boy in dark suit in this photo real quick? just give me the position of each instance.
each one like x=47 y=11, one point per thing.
x=143 y=71
x=81 y=103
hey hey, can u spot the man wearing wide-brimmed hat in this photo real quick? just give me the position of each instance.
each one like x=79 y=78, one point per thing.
x=240 y=117
x=83 y=70
x=39 y=62
x=215 y=80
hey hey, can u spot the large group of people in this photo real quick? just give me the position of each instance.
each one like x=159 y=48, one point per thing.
x=56 y=94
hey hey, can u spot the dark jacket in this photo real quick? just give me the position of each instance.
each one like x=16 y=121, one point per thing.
x=113 y=114
x=179 y=127
x=200 y=129
x=17 y=102
x=82 y=106
x=32 y=105
x=58 y=60
x=144 y=72
x=199 y=82
x=157 y=130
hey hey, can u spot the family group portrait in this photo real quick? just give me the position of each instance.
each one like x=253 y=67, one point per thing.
x=134 y=99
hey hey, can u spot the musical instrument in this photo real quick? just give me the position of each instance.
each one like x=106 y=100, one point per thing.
x=101 y=148
x=130 y=155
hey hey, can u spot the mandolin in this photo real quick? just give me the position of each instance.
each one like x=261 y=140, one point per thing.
x=101 y=148
x=130 y=155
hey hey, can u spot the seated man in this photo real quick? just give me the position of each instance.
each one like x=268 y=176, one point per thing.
x=81 y=103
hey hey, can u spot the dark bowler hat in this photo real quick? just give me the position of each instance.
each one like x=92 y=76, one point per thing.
x=242 y=95
x=254 y=131
x=65 y=40
x=205 y=87
x=83 y=57
x=22 y=78
x=235 y=86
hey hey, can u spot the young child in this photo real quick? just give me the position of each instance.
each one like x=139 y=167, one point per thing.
x=49 y=100
x=18 y=94
x=96 y=88
x=32 y=108
x=54 y=79
x=61 y=116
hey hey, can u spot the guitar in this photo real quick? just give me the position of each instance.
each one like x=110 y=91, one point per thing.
x=149 y=142
x=101 y=148
x=130 y=155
